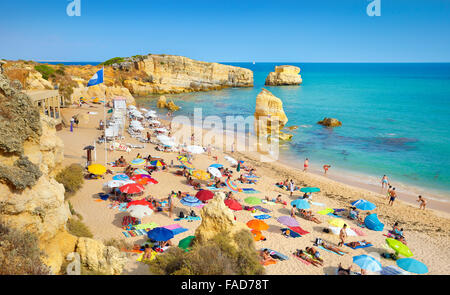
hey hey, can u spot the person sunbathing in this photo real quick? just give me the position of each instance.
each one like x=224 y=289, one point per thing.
x=344 y=271
x=195 y=184
x=265 y=256
x=147 y=252
x=309 y=216
x=358 y=243
x=121 y=162
x=302 y=255
x=166 y=244
x=330 y=247
x=315 y=253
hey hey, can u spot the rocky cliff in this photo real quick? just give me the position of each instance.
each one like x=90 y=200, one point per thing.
x=284 y=75
x=269 y=116
x=30 y=198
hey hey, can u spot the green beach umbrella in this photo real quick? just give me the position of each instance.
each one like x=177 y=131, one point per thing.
x=399 y=247
x=253 y=200
x=186 y=243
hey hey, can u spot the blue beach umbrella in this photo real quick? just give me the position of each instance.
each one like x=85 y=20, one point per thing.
x=121 y=177
x=367 y=262
x=412 y=265
x=364 y=205
x=301 y=204
x=310 y=189
x=160 y=234
x=190 y=201
x=216 y=166
x=372 y=222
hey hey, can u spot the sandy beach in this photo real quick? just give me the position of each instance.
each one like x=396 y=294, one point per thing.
x=427 y=232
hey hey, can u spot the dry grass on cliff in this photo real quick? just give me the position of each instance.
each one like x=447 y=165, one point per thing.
x=215 y=257
x=20 y=253
x=72 y=179
x=77 y=228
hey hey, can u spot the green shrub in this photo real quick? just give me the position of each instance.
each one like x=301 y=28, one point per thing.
x=77 y=228
x=72 y=178
x=113 y=61
x=60 y=71
x=215 y=257
x=45 y=71
x=20 y=253
x=118 y=243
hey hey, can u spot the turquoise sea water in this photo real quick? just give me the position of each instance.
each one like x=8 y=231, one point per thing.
x=395 y=117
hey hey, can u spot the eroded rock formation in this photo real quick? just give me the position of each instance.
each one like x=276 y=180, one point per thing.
x=162 y=103
x=284 y=75
x=330 y=122
x=269 y=116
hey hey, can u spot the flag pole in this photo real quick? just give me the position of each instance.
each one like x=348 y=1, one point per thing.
x=104 y=117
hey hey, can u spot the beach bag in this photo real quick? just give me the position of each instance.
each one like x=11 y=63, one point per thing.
x=326 y=230
x=181 y=215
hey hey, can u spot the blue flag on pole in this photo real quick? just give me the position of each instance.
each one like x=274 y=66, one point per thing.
x=96 y=79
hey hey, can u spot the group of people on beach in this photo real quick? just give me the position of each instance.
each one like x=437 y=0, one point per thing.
x=391 y=193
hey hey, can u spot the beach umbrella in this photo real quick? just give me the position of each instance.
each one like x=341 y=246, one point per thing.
x=141 y=202
x=233 y=204
x=392 y=270
x=121 y=177
x=137 y=162
x=412 y=265
x=367 y=262
x=160 y=234
x=132 y=188
x=117 y=183
x=364 y=205
x=214 y=172
x=185 y=243
x=231 y=160
x=201 y=174
x=231 y=185
x=372 y=222
x=157 y=163
x=144 y=176
x=399 y=247
x=204 y=195
x=337 y=222
x=288 y=221
x=195 y=149
x=182 y=159
x=97 y=169
x=301 y=204
x=89 y=147
x=257 y=225
x=156 y=122
x=190 y=201
x=216 y=165
x=310 y=189
x=253 y=200
x=188 y=165
x=139 y=211
x=140 y=171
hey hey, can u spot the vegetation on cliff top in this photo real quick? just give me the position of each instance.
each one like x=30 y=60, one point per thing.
x=113 y=61
x=45 y=71
x=215 y=257
x=72 y=179
x=20 y=253
x=77 y=228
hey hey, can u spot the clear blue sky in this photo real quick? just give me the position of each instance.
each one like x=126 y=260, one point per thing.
x=228 y=30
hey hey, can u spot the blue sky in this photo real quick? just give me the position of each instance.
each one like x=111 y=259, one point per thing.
x=212 y=30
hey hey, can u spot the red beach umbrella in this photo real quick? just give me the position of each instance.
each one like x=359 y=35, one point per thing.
x=141 y=202
x=131 y=188
x=233 y=204
x=204 y=195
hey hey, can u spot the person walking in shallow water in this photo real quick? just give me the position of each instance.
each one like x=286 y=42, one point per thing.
x=384 y=181
x=325 y=168
x=305 y=165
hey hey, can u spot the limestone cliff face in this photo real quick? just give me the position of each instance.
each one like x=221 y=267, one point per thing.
x=284 y=75
x=176 y=74
x=269 y=116
x=217 y=218
x=101 y=91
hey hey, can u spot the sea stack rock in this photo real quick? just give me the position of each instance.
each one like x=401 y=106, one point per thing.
x=330 y=122
x=284 y=75
x=269 y=116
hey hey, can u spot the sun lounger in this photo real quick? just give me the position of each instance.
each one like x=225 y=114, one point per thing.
x=359 y=247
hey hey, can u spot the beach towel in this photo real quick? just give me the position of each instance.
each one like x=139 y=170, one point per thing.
x=292 y=233
x=318 y=204
x=337 y=230
x=268 y=202
x=262 y=209
x=261 y=216
x=321 y=247
x=269 y=262
x=359 y=232
x=359 y=247
x=275 y=254
x=250 y=176
x=250 y=190
x=180 y=230
x=339 y=210
x=172 y=226
x=325 y=211
x=150 y=225
x=141 y=257
x=334 y=215
x=302 y=260
x=298 y=230
x=213 y=188
x=188 y=218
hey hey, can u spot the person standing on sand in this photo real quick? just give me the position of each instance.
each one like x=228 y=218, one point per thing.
x=393 y=195
x=388 y=194
x=170 y=205
x=72 y=121
x=305 y=165
x=325 y=168
x=291 y=187
x=384 y=181
x=342 y=235
x=422 y=202
x=293 y=211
